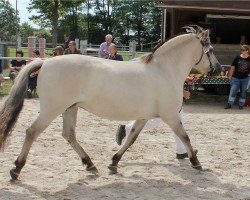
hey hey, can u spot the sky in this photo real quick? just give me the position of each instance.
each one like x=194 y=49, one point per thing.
x=24 y=14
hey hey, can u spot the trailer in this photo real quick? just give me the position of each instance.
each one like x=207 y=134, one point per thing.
x=215 y=84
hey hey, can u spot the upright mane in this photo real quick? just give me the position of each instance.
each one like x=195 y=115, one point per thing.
x=172 y=41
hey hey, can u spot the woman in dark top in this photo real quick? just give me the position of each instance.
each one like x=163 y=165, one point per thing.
x=239 y=76
x=32 y=83
x=16 y=65
x=72 y=48
x=113 y=55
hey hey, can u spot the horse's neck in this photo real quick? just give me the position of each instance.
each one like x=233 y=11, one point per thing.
x=181 y=54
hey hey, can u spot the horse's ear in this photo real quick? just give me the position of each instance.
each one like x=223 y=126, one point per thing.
x=202 y=34
x=206 y=34
x=199 y=30
x=189 y=29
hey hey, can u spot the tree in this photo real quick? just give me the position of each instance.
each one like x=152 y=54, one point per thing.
x=141 y=18
x=138 y=19
x=26 y=30
x=8 y=25
x=44 y=33
x=77 y=29
x=126 y=18
x=49 y=13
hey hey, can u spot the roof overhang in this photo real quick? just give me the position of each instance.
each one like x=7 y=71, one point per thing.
x=211 y=8
x=227 y=16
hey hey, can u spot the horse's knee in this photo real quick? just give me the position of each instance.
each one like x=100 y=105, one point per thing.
x=31 y=134
x=69 y=135
x=186 y=138
x=65 y=135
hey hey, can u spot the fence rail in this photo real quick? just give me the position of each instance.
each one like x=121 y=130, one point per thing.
x=128 y=52
x=142 y=47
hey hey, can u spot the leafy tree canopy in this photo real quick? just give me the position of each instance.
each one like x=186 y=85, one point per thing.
x=88 y=19
x=50 y=11
x=26 y=30
x=8 y=22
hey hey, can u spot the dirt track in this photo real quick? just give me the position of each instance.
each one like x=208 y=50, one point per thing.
x=148 y=169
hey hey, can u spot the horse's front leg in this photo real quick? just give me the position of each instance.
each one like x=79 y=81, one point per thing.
x=69 y=124
x=135 y=131
x=175 y=124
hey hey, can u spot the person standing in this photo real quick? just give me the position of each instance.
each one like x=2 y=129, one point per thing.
x=181 y=152
x=104 y=47
x=239 y=77
x=72 y=49
x=32 y=82
x=66 y=41
x=113 y=55
x=58 y=51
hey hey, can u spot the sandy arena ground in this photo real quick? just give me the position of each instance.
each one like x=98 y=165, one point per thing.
x=148 y=170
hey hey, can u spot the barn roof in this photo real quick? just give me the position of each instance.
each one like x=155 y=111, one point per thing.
x=240 y=7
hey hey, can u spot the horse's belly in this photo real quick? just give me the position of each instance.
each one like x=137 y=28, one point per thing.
x=118 y=112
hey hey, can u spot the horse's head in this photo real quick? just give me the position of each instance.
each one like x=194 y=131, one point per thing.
x=207 y=63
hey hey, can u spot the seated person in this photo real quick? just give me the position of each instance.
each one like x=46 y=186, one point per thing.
x=104 y=47
x=32 y=83
x=72 y=48
x=16 y=65
x=33 y=76
x=58 y=51
x=113 y=55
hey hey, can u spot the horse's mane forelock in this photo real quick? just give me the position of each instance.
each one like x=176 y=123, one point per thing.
x=148 y=57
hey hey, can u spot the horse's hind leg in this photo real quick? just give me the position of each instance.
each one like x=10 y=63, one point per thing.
x=32 y=133
x=135 y=131
x=176 y=125
x=69 y=124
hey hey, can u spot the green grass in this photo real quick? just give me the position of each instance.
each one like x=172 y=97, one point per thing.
x=7 y=84
x=127 y=57
x=11 y=52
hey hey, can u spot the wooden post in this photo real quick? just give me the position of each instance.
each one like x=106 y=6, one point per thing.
x=31 y=45
x=132 y=49
x=42 y=46
x=77 y=43
x=19 y=42
x=83 y=46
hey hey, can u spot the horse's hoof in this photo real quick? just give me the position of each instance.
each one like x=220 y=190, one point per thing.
x=14 y=175
x=113 y=169
x=198 y=167
x=92 y=170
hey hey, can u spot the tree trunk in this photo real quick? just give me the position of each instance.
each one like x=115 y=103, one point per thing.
x=139 y=38
x=55 y=23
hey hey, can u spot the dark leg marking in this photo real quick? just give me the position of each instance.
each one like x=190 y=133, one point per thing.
x=90 y=166
x=14 y=173
x=113 y=167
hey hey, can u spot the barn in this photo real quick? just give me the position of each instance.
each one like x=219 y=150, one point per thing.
x=228 y=21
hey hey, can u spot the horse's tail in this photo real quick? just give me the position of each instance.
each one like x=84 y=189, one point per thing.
x=13 y=103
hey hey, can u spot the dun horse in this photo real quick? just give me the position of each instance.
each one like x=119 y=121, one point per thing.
x=113 y=90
